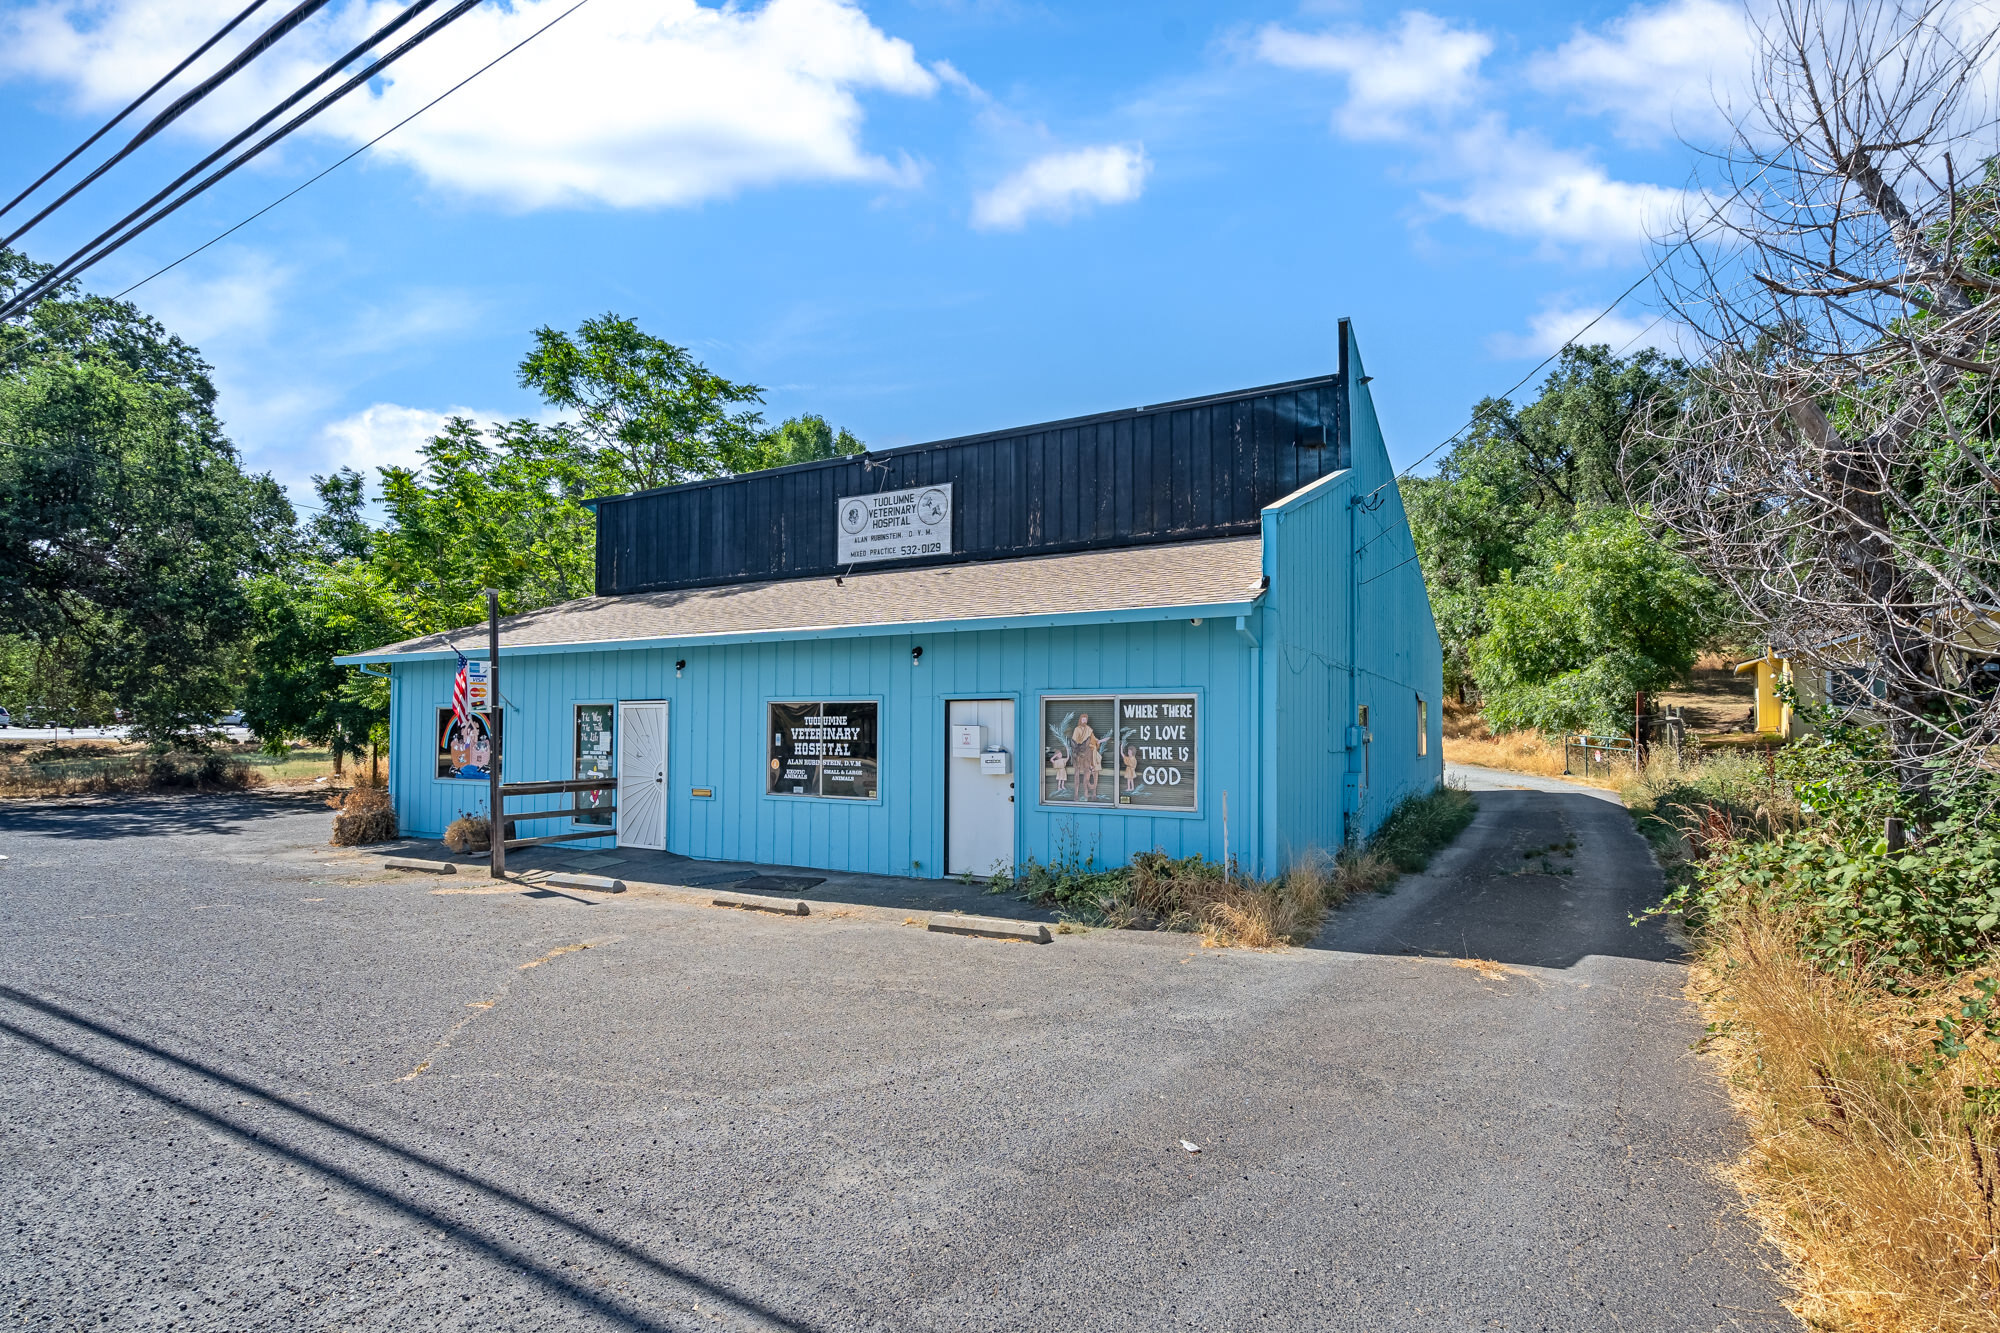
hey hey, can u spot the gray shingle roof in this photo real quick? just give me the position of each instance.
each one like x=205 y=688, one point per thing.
x=1185 y=574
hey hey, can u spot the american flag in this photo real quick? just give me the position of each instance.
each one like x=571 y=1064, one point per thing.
x=461 y=691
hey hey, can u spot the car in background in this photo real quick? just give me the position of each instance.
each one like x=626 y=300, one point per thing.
x=6 y=718
x=231 y=719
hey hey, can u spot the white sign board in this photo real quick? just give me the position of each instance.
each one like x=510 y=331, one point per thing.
x=894 y=525
x=478 y=695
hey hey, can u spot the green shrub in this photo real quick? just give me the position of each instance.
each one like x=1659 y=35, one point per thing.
x=1420 y=825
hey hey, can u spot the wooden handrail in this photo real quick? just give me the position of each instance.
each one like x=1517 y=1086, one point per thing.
x=557 y=788
x=513 y=843
x=566 y=812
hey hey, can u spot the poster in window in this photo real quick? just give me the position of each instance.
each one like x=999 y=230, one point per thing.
x=824 y=749
x=1077 y=767
x=1157 y=759
x=594 y=741
x=464 y=750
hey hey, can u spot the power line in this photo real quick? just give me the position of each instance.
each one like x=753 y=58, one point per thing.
x=299 y=13
x=1567 y=344
x=1511 y=493
x=85 y=258
x=356 y=153
x=134 y=105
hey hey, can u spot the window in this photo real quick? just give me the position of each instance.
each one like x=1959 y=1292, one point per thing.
x=1128 y=752
x=823 y=750
x=1850 y=687
x=595 y=737
x=464 y=750
x=1423 y=727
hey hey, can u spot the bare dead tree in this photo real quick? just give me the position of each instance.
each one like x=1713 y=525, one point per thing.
x=1836 y=465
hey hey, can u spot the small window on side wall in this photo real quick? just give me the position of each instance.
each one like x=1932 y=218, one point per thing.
x=1423 y=726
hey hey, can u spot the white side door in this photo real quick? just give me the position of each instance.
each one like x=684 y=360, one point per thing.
x=642 y=776
x=979 y=807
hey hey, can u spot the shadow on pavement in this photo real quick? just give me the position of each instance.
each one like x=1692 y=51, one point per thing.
x=492 y=1240
x=641 y=868
x=1540 y=879
x=152 y=816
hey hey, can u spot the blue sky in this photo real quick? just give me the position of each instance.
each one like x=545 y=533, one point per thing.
x=919 y=219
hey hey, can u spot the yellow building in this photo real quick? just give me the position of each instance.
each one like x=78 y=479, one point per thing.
x=1774 y=715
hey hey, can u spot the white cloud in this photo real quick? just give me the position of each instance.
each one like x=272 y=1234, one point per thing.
x=1519 y=185
x=1419 y=84
x=385 y=435
x=629 y=103
x=1060 y=184
x=235 y=295
x=1655 y=68
x=1425 y=69
x=1563 y=322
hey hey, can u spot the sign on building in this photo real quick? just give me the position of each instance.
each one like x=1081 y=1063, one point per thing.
x=479 y=687
x=824 y=749
x=595 y=752
x=894 y=525
x=1130 y=752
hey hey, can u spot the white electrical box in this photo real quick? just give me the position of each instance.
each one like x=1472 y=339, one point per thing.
x=967 y=740
x=996 y=761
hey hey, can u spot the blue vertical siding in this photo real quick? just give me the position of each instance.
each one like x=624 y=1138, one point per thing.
x=716 y=727
x=1305 y=648
x=1398 y=654
x=1345 y=621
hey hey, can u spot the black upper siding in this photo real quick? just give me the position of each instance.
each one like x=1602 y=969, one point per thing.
x=1182 y=471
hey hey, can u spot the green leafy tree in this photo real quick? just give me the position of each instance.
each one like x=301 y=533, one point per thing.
x=1604 y=611
x=305 y=618
x=1522 y=476
x=126 y=531
x=807 y=439
x=47 y=680
x=500 y=509
x=653 y=414
x=1584 y=442
x=338 y=531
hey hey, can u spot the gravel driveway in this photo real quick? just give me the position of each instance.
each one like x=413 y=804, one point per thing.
x=254 y=1083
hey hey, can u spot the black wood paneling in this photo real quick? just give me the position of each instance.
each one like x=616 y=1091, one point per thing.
x=1172 y=472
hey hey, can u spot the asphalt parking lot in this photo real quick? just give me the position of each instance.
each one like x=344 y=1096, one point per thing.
x=254 y=1082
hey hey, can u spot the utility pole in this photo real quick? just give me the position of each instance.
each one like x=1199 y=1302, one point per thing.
x=496 y=804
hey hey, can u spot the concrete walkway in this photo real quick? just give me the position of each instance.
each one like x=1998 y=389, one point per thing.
x=1476 y=778
x=665 y=872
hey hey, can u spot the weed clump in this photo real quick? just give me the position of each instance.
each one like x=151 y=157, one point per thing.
x=365 y=815
x=468 y=833
x=1222 y=904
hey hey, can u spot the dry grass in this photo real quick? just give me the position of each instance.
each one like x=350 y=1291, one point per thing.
x=1865 y=1166
x=365 y=815
x=89 y=768
x=1467 y=740
x=84 y=767
x=467 y=833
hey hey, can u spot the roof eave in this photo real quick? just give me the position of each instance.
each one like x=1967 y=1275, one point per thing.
x=971 y=624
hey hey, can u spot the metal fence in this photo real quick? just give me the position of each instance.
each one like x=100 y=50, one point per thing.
x=1605 y=752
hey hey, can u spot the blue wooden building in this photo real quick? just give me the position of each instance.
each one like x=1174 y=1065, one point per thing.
x=1178 y=626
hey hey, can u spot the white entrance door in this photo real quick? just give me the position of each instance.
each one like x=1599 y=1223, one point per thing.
x=979 y=806
x=642 y=776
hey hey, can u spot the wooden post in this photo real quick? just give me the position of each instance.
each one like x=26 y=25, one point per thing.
x=496 y=804
x=1892 y=833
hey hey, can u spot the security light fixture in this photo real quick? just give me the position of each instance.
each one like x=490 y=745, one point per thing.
x=679 y=667
x=917 y=655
